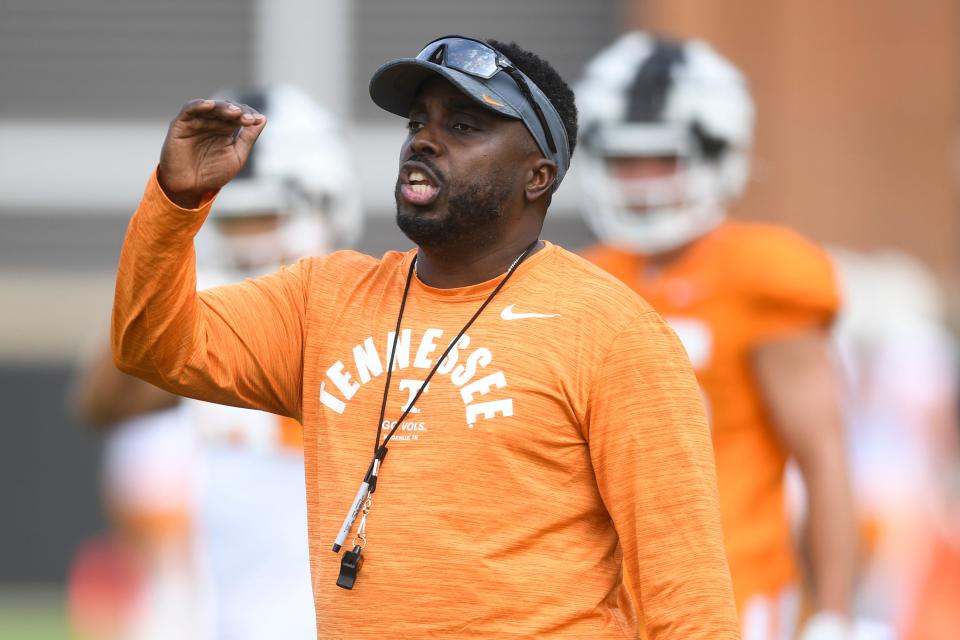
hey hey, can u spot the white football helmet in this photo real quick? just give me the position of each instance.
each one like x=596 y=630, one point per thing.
x=650 y=97
x=296 y=195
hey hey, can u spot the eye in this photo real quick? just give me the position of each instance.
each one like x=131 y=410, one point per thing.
x=463 y=127
x=413 y=126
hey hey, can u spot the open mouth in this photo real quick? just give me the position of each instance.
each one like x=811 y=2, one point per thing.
x=418 y=186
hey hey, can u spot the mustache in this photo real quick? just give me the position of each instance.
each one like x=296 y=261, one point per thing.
x=427 y=162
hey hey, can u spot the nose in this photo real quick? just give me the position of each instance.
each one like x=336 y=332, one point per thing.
x=424 y=141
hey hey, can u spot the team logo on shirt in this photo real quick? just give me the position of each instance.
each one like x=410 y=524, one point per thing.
x=509 y=314
x=470 y=370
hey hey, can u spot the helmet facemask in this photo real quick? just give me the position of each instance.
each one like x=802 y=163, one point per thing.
x=260 y=225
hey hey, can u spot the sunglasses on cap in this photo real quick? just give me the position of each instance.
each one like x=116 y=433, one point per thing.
x=478 y=59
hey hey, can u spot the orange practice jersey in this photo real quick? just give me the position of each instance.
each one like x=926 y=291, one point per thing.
x=561 y=444
x=734 y=289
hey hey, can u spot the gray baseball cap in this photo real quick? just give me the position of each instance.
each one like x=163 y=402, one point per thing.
x=480 y=72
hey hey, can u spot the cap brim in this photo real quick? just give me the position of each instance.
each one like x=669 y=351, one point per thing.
x=394 y=87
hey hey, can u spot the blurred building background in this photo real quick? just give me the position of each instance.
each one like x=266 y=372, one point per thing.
x=857 y=145
x=858 y=105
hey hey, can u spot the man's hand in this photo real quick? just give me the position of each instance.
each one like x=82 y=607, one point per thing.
x=206 y=146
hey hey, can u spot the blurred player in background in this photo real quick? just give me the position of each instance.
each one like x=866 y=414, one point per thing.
x=139 y=581
x=667 y=127
x=238 y=472
x=901 y=414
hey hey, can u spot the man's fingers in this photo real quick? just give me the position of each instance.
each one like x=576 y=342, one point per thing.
x=196 y=107
x=233 y=111
x=219 y=110
x=221 y=119
x=247 y=135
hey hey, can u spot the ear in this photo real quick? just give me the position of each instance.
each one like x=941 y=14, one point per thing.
x=540 y=180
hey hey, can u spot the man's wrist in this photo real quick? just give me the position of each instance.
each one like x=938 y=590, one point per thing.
x=183 y=199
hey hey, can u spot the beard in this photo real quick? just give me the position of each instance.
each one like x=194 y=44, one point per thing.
x=471 y=215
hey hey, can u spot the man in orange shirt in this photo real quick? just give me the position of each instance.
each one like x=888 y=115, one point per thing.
x=667 y=128
x=234 y=476
x=515 y=385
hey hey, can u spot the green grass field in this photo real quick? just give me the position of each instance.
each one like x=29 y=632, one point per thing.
x=33 y=613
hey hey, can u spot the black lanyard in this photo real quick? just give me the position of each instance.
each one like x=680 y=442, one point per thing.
x=352 y=560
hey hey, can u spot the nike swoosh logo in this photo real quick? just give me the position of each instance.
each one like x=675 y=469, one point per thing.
x=509 y=314
x=490 y=100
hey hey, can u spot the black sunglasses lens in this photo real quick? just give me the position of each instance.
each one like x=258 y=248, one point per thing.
x=468 y=56
x=472 y=57
x=433 y=52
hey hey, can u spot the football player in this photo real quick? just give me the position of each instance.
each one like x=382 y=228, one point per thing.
x=294 y=197
x=666 y=132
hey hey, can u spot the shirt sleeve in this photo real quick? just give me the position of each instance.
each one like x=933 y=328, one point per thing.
x=791 y=283
x=240 y=345
x=653 y=459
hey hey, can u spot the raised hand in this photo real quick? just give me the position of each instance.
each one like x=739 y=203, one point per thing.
x=206 y=146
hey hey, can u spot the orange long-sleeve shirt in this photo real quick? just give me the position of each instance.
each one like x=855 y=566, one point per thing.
x=563 y=434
